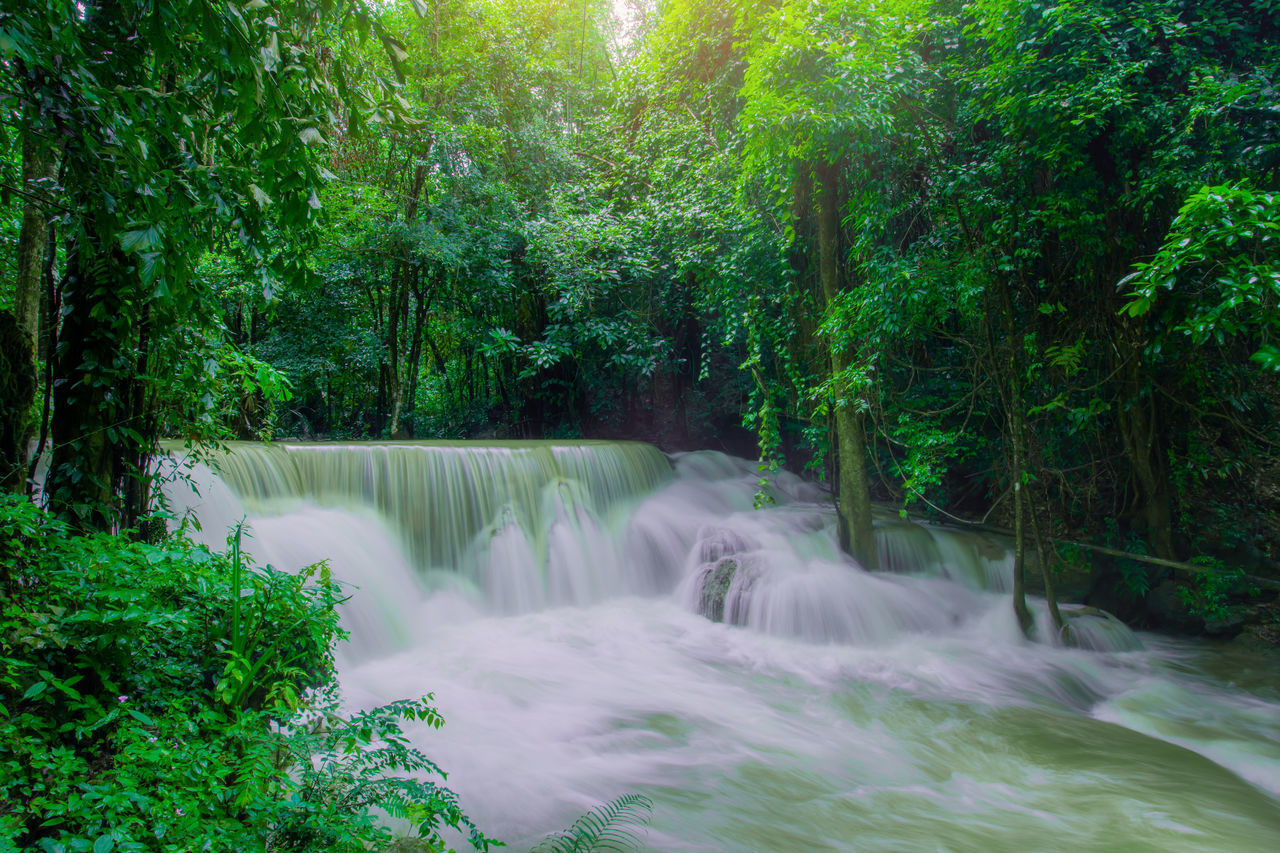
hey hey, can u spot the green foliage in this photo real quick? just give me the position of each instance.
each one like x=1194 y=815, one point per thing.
x=182 y=127
x=1135 y=579
x=349 y=765
x=1218 y=265
x=1213 y=596
x=1054 y=221
x=1135 y=575
x=614 y=827
x=137 y=713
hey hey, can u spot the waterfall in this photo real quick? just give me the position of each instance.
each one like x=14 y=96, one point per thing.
x=522 y=525
x=531 y=525
x=597 y=618
x=440 y=495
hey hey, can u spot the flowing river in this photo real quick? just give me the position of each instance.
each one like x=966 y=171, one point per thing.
x=549 y=596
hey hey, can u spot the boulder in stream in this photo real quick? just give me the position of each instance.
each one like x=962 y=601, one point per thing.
x=1096 y=630
x=722 y=588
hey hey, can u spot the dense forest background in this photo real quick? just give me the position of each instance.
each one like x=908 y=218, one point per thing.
x=997 y=261
x=1003 y=263
x=1001 y=260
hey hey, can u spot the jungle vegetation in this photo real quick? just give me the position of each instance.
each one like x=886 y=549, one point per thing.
x=1000 y=261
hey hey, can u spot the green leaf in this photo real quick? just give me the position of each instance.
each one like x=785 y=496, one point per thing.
x=141 y=717
x=104 y=844
x=1268 y=356
x=141 y=240
x=262 y=199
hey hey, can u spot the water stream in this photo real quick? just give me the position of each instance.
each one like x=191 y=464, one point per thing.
x=548 y=595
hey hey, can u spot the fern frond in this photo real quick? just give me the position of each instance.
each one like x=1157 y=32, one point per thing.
x=613 y=827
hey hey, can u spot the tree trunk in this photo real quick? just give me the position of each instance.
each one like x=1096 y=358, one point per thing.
x=87 y=396
x=395 y=384
x=39 y=163
x=856 y=534
x=1144 y=446
x=1011 y=393
x=1019 y=517
x=1042 y=555
x=421 y=306
x=20 y=331
x=399 y=305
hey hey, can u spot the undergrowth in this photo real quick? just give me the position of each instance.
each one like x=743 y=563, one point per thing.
x=137 y=715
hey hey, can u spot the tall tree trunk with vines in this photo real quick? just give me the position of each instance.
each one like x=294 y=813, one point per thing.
x=857 y=536
x=89 y=411
x=401 y=278
x=20 y=331
x=1011 y=385
x=1142 y=431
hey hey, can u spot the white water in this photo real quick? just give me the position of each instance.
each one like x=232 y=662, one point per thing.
x=847 y=711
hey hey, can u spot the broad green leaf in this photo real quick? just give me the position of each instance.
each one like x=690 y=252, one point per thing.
x=261 y=198
x=141 y=717
x=141 y=240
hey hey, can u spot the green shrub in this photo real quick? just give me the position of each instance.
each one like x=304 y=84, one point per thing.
x=1210 y=595
x=134 y=717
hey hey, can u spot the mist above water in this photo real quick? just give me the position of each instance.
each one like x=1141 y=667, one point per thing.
x=548 y=595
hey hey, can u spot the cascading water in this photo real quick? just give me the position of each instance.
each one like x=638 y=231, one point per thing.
x=550 y=596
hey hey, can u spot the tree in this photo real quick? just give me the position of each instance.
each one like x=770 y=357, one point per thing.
x=183 y=126
x=830 y=95
x=1091 y=122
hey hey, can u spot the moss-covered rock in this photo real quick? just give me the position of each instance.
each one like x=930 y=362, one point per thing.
x=714 y=581
x=724 y=589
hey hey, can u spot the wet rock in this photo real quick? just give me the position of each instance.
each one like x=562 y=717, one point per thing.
x=714 y=580
x=722 y=588
x=992 y=547
x=1164 y=608
x=1096 y=630
x=1262 y=624
x=1228 y=626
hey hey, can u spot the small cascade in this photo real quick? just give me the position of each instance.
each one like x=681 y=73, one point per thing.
x=531 y=524
x=360 y=552
x=784 y=576
x=510 y=570
x=582 y=563
x=819 y=601
x=439 y=496
x=1093 y=629
x=363 y=555
x=977 y=560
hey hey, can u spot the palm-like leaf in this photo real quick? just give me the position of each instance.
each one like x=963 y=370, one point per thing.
x=613 y=827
